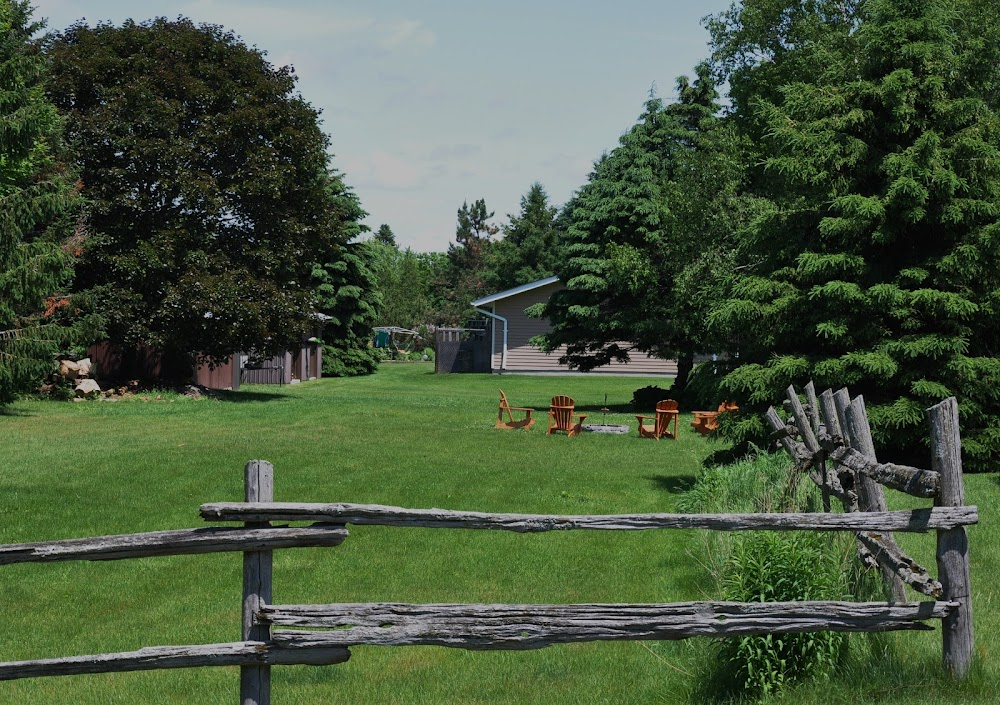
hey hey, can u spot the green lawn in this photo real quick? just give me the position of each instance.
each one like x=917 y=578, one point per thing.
x=404 y=436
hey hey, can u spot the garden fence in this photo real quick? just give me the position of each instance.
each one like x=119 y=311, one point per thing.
x=831 y=450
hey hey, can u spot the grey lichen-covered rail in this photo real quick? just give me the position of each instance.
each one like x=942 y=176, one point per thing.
x=480 y=627
x=916 y=520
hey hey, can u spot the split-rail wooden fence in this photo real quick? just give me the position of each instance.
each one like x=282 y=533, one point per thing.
x=294 y=634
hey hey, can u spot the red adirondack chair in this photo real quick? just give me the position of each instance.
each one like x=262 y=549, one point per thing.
x=561 y=416
x=505 y=408
x=666 y=411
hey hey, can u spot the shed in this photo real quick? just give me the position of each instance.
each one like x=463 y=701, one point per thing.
x=511 y=351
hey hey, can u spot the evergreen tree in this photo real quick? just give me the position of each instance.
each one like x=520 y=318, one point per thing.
x=467 y=276
x=647 y=235
x=39 y=228
x=878 y=265
x=347 y=290
x=529 y=250
x=385 y=235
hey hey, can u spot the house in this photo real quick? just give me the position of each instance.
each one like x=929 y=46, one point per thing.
x=509 y=347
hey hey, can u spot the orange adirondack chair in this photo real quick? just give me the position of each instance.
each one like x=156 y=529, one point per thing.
x=526 y=423
x=666 y=411
x=561 y=416
x=707 y=421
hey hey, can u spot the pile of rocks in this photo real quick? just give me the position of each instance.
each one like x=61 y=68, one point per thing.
x=78 y=373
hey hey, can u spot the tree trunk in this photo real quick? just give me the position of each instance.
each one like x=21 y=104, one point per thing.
x=685 y=363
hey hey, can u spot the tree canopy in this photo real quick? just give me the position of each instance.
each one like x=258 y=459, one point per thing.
x=877 y=264
x=207 y=176
x=530 y=247
x=648 y=234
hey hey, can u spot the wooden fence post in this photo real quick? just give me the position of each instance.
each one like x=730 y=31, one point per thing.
x=952 y=544
x=870 y=493
x=255 y=681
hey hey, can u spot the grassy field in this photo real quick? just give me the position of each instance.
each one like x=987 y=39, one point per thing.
x=406 y=437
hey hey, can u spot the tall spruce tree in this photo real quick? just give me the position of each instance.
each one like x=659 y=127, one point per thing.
x=346 y=289
x=39 y=209
x=648 y=235
x=529 y=249
x=878 y=266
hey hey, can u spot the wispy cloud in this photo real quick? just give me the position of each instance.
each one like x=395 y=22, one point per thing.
x=344 y=29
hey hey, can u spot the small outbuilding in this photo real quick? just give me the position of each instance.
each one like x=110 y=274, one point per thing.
x=509 y=346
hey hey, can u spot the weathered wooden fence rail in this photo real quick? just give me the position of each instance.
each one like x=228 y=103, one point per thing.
x=831 y=449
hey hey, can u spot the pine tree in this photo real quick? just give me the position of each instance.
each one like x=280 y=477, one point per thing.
x=879 y=265
x=385 y=235
x=347 y=290
x=530 y=248
x=39 y=207
x=648 y=233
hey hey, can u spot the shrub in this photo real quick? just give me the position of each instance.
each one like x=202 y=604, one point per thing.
x=646 y=398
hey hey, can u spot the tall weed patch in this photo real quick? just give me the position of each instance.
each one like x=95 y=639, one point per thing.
x=769 y=567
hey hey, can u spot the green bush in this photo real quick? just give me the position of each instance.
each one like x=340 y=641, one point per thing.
x=645 y=399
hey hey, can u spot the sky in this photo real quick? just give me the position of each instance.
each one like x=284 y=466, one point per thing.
x=432 y=103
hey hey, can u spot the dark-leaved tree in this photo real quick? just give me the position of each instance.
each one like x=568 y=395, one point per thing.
x=207 y=175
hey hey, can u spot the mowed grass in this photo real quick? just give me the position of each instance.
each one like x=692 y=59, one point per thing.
x=407 y=437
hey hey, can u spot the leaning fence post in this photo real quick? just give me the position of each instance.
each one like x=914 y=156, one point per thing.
x=952 y=544
x=255 y=681
x=872 y=496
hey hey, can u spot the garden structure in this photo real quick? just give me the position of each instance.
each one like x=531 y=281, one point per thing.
x=830 y=449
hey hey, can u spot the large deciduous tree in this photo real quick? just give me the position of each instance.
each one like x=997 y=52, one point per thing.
x=207 y=175
x=879 y=264
x=39 y=209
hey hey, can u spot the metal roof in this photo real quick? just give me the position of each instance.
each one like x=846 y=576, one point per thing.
x=515 y=291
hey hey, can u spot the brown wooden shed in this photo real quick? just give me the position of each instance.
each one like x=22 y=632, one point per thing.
x=511 y=350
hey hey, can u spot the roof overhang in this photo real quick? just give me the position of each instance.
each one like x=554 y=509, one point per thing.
x=515 y=291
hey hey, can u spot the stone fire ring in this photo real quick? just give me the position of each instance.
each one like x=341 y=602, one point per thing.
x=605 y=428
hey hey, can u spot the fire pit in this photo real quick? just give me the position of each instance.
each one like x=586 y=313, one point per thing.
x=605 y=428
x=619 y=429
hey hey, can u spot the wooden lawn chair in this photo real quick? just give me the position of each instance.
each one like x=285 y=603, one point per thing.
x=561 y=416
x=707 y=421
x=666 y=411
x=505 y=408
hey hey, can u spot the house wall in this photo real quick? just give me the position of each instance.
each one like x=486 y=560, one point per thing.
x=524 y=357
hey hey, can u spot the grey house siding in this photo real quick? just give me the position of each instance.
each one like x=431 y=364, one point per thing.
x=524 y=357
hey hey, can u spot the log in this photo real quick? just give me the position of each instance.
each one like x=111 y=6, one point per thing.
x=911 y=480
x=241 y=653
x=215 y=539
x=952 y=544
x=536 y=626
x=891 y=557
x=915 y=520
